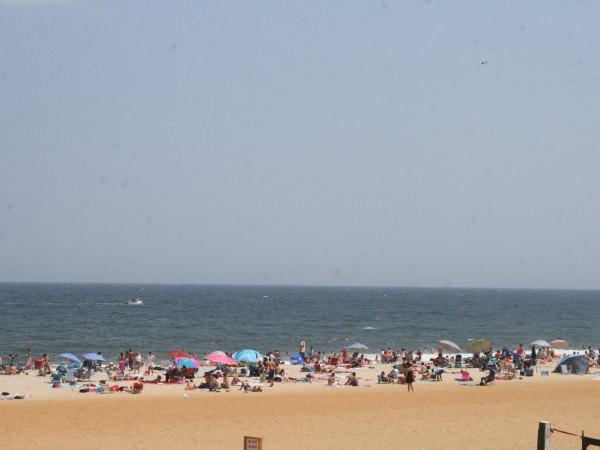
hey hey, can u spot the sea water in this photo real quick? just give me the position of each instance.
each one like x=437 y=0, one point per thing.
x=80 y=318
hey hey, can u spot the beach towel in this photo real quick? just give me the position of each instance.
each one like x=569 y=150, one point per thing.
x=69 y=386
x=14 y=396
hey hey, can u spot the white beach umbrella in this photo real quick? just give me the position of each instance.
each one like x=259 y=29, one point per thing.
x=541 y=344
x=450 y=346
x=358 y=345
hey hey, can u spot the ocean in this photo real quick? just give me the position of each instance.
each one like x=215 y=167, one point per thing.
x=78 y=318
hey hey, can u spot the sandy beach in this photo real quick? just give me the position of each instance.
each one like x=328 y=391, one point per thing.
x=437 y=415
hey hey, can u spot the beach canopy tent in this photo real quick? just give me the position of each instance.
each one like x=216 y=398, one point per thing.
x=247 y=355
x=296 y=359
x=579 y=364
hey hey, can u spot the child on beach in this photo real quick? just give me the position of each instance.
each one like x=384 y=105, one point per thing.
x=331 y=379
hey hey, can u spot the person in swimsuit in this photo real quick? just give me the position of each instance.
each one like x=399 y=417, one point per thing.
x=410 y=377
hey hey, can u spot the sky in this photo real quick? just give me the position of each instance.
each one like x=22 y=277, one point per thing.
x=301 y=142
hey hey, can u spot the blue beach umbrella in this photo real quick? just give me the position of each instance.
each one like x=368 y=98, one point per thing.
x=93 y=357
x=69 y=356
x=187 y=362
x=247 y=355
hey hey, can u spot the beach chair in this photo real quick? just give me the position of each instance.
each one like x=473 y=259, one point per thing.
x=115 y=375
x=69 y=377
x=511 y=372
x=137 y=388
x=56 y=378
x=490 y=379
x=85 y=376
x=104 y=389
x=458 y=361
x=564 y=369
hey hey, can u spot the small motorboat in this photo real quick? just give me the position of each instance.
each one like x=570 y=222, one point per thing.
x=135 y=302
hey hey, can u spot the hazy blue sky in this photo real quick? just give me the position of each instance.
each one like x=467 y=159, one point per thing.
x=301 y=142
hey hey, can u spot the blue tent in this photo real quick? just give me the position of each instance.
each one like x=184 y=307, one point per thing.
x=296 y=359
x=579 y=364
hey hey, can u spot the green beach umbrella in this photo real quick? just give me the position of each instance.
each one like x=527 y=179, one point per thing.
x=479 y=345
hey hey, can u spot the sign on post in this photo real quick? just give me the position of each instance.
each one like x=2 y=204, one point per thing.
x=252 y=443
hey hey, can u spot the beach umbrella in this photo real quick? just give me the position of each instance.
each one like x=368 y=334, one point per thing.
x=479 y=345
x=187 y=362
x=247 y=355
x=69 y=356
x=450 y=345
x=358 y=345
x=224 y=359
x=93 y=357
x=559 y=343
x=541 y=343
x=179 y=354
x=215 y=353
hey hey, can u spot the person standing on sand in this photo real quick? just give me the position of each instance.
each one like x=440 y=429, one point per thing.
x=303 y=349
x=29 y=361
x=137 y=362
x=272 y=367
x=150 y=359
x=410 y=377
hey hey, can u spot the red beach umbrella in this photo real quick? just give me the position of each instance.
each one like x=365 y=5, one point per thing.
x=179 y=354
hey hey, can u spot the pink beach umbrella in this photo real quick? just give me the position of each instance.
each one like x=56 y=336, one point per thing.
x=224 y=359
x=558 y=343
x=215 y=353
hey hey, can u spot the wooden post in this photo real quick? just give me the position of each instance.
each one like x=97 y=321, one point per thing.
x=543 y=442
